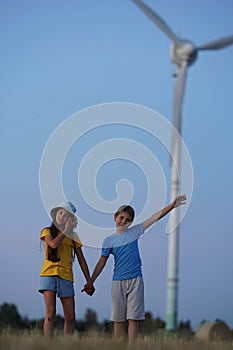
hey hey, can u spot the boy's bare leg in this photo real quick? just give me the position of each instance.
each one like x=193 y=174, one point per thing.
x=119 y=330
x=133 y=327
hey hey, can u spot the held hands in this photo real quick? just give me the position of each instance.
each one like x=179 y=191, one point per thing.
x=88 y=288
x=179 y=200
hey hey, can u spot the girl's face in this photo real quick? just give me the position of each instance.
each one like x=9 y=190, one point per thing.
x=61 y=217
x=123 y=220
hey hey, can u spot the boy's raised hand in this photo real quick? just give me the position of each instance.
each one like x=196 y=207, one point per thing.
x=179 y=200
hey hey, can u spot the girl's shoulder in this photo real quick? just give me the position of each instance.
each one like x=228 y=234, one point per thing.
x=45 y=232
x=75 y=238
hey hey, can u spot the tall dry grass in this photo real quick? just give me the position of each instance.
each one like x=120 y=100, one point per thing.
x=97 y=341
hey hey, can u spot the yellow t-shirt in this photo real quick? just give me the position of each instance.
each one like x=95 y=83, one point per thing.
x=63 y=267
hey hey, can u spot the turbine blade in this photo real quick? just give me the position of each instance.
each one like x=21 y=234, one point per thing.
x=177 y=104
x=217 y=44
x=157 y=20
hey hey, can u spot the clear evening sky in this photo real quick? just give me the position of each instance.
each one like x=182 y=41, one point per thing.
x=59 y=57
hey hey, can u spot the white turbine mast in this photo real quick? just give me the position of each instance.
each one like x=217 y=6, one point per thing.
x=183 y=53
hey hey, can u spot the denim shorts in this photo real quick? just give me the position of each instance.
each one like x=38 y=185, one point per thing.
x=128 y=300
x=62 y=287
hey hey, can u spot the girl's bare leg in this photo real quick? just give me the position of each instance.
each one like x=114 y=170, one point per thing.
x=50 y=304
x=69 y=315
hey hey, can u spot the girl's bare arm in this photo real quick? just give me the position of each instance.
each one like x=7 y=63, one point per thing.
x=85 y=270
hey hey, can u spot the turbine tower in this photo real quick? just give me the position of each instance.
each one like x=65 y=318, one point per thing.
x=183 y=53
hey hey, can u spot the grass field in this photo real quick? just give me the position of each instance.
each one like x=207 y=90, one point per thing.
x=97 y=341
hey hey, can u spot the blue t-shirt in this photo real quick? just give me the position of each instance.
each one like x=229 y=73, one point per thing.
x=124 y=248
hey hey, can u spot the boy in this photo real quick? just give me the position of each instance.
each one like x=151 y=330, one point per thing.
x=127 y=284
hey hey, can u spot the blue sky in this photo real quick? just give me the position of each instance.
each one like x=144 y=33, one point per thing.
x=59 y=57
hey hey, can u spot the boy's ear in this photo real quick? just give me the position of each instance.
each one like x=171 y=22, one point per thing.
x=115 y=216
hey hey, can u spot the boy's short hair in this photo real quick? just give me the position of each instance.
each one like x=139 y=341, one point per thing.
x=125 y=208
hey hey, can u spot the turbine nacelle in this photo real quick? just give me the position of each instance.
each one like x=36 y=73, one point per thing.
x=181 y=51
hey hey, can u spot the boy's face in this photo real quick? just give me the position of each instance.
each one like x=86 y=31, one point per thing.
x=123 y=220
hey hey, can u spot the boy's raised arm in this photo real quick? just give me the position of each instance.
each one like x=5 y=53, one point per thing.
x=179 y=200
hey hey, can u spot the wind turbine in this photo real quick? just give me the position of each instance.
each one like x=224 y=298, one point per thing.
x=183 y=53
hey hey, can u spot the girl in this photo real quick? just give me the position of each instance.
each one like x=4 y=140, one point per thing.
x=56 y=273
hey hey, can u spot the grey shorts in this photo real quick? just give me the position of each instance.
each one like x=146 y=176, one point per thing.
x=62 y=287
x=128 y=300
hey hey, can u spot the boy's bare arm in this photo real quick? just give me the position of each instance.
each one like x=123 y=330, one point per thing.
x=179 y=200
x=99 y=267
